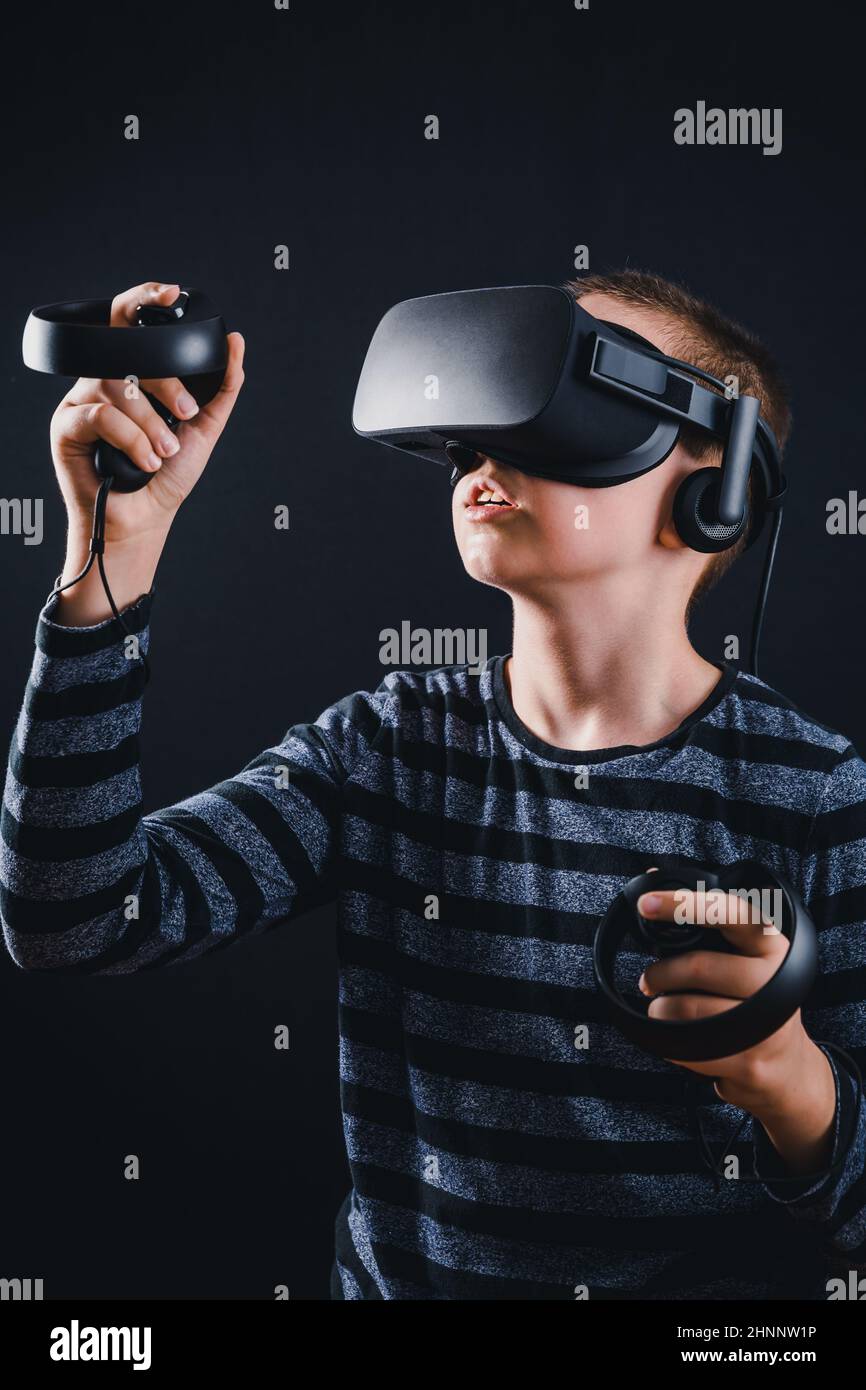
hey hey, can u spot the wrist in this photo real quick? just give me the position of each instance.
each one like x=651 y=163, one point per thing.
x=130 y=567
x=803 y=1082
x=79 y=529
x=798 y=1108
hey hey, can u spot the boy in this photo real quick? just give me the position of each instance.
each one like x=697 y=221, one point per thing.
x=491 y=1157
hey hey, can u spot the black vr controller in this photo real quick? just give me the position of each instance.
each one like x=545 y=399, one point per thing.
x=747 y=1023
x=76 y=338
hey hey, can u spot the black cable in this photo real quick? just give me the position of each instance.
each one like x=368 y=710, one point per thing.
x=687 y=367
x=758 y=620
x=97 y=552
x=715 y=1164
x=59 y=588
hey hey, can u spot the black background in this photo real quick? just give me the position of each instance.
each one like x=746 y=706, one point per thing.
x=261 y=127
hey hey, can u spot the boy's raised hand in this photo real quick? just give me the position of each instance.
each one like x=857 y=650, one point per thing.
x=136 y=523
x=96 y=409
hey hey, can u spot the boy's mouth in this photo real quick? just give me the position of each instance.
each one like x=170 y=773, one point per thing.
x=487 y=499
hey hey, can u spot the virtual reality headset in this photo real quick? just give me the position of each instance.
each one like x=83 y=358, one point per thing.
x=524 y=375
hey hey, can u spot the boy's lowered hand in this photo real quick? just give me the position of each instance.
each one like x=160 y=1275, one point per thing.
x=786 y=1082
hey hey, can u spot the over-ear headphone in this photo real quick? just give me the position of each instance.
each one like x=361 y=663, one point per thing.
x=712 y=509
x=696 y=514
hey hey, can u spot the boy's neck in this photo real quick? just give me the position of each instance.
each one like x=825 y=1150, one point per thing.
x=600 y=671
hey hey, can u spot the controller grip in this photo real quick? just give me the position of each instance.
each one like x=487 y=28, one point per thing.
x=111 y=462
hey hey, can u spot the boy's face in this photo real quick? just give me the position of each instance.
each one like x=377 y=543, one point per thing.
x=556 y=533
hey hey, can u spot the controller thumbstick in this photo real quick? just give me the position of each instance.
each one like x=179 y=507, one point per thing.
x=149 y=314
x=663 y=937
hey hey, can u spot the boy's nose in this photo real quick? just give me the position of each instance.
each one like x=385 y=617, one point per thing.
x=463 y=457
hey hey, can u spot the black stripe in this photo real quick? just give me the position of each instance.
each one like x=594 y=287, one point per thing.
x=387 y=890
x=63 y=844
x=838 y=988
x=357 y=711
x=839 y=827
x=435 y=1280
x=50 y=917
x=227 y=862
x=750 y=691
x=778 y=827
x=483 y=769
x=766 y=749
x=564 y=1229
x=548 y=1153
x=74 y=769
x=56 y=641
x=505 y=993
x=513 y=1072
x=281 y=839
x=94 y=697
x=846 y=908
x=197 y=916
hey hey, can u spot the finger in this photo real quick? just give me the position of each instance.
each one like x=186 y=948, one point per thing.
x=689 y=1008
x=736 y=976
x=211 y=419
x=85 y=424
x=139 y=409
x=171 y=391
x=739 y=917
x=124 y=306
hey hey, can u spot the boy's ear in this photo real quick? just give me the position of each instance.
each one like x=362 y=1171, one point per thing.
x=668 y=535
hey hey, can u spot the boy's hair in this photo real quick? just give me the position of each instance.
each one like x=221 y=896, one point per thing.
x=721 y=346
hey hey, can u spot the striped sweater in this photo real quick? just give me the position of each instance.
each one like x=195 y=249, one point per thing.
x=491 y=1157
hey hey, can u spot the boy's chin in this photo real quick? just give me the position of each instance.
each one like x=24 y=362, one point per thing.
x=513 y=578
x=519 y=567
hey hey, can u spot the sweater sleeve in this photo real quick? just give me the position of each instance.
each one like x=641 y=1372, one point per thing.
x=90 y=884
x=834 y=892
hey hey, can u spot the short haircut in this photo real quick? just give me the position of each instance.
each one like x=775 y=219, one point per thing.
x=707 y=338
